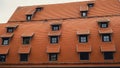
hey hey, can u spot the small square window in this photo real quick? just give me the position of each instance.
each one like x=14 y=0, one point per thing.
x=84 y=13
x=5 y=41
x=52 y=57
x=55 y=27
x=26 y=40
x=2 y=58
x=38 y=9
x=103 y=25
x=108 y=55
x=83 y=38
x=23 y=57
x=10 y=30
x=54 y=39
x=84 y=56
x=28 y=17
x=106 y=37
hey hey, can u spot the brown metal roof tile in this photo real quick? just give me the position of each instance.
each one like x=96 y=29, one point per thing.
x=108 y=47
x=7 y=35
x=4 y=49
x=54 y=33
x=105 y=31
x=53 y=49
x=83 y=32
x=83 y=48
x=24 y=50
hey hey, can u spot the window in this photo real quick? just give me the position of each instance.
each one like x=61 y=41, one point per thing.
x=106 y=37
x=84 y=56
x=2 y=58
x=10 y=30
x=83 y=38
x=28 y=17
x=103 y=25
x=84 y=13
x=38 y=9
x=5 y=41
x=23 y=57
x=55 y=27
x=54 y=39
x=26 y=40
x=90 y=5
x=108 y=55
x=52 y=57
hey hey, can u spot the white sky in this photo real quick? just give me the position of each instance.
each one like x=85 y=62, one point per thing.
x=7 y=7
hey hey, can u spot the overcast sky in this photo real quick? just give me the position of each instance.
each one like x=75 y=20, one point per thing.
x=7 y=7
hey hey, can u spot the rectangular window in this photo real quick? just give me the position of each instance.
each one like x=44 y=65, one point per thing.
x=52 y=57
x=38 y=9
x=26 y=40
x=54 y=39
x=108 y=55
x=84 y=13
x=10 y=30
x=90 y=5
x=84 y=56
x=103 y=25
x=28 y=17
x=5 y=41
x=2 y=58
x=106 y=37
x=83 y=38
x=23 y=57
x=55 y=27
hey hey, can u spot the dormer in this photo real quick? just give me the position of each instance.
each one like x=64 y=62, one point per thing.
x=28 y=17
x=103 y=23
x=90 y=4
x=11 y=28
x=56 y=26
x=39 y=9
x=84 y=11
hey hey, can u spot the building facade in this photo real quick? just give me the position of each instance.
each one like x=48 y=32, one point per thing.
x=79 y=34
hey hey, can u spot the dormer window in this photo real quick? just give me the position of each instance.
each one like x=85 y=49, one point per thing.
x=38 y=9
x=28 y=17
x=10 y=30
x=55 y=26
x=83 y=13
x=90 y=5
x=5 y=41
x=103 y=23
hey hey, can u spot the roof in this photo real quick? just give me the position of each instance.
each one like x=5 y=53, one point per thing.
x=63 y=11
x=7 y=35
x=105 y=31
x=54 y=33
x=83 y=32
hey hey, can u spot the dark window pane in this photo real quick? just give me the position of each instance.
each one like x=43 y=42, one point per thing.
x=84 y=13
x=2 y=58
x=55 y=27
x=54 y=39
x=103 y=24
x=83 y=38
x=23 y=57
x=28 y=17
x=90 y=5
x=52 y=57
x=108 y=55
x=5 y=41
x=84 y=56
x=10 y=30
x=26 y=40
x=106 y=37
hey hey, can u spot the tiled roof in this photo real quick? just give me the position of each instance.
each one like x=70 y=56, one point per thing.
x=62 y=11
x=7 y=35
x=105 y=31
x=84 y=48
x=83 y=32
